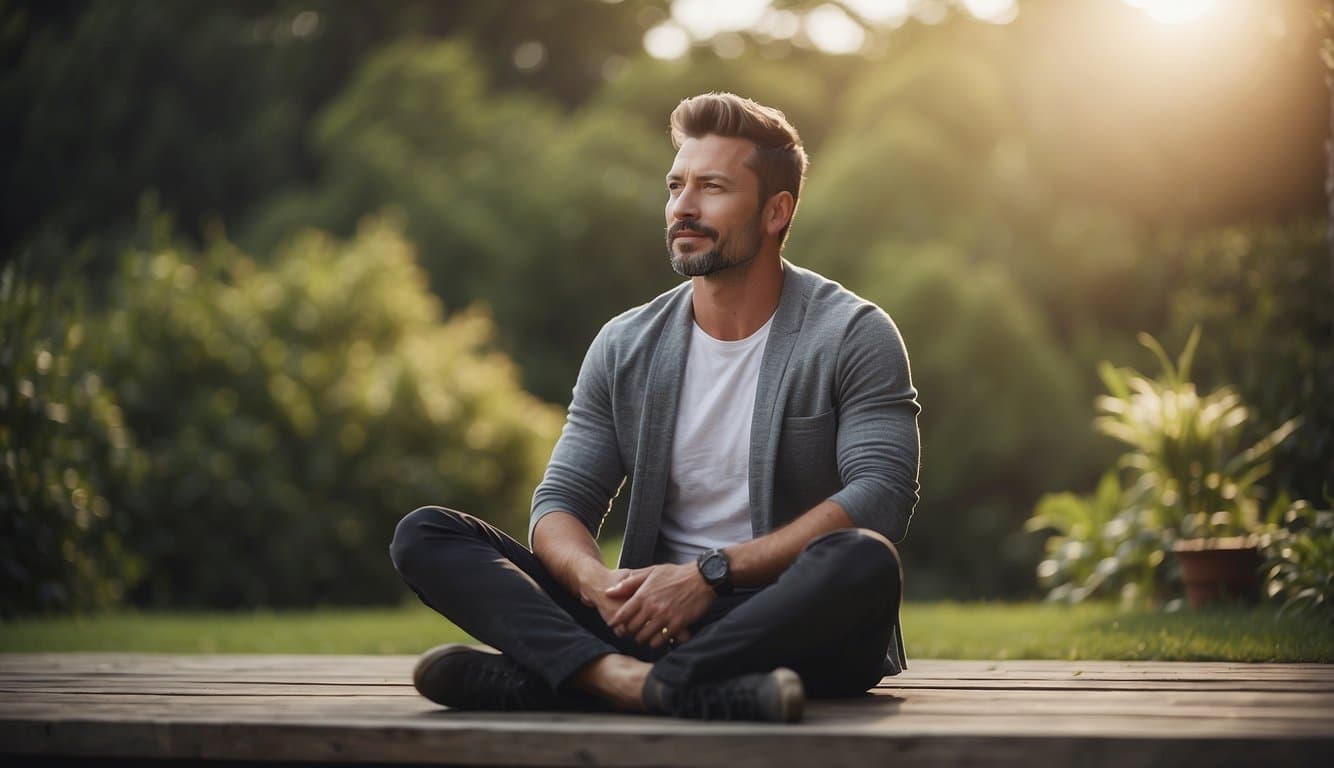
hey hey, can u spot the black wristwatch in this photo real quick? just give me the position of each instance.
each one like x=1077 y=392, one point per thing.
x=716 y=570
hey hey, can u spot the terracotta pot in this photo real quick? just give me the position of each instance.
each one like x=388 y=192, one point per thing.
x=1224 y=569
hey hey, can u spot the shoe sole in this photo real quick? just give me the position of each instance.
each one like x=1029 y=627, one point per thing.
x=791 y=695
x=428 y=660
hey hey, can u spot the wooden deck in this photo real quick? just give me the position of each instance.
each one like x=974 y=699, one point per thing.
x=352 y=709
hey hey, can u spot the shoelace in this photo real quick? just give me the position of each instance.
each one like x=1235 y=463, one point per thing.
x=502 y=680
x=723 y=702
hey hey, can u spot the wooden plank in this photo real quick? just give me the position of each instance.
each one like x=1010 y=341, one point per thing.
x=1137 y=698
x=354 y=709
x=89 y=696
x=1037 y=717
x=366 y=664
x=703 y=746
x=399 y=667
x=222 y=680
x=292 y=668
x=1304 y=716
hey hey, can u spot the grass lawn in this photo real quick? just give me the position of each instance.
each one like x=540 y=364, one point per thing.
x=933 y=630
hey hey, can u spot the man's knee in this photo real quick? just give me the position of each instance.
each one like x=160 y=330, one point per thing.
x=415 y=529
x=863 y=556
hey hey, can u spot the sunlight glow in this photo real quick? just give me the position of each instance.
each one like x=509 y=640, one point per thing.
x=666 y=41
x=778 y=25
x=706 y=18
x=833 y=31
x=993 y=11
x=1173 y=11
x=891 y=12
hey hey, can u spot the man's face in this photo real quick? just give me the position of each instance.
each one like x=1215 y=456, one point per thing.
x=713 y=213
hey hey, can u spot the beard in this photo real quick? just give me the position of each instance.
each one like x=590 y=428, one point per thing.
x=726 y=252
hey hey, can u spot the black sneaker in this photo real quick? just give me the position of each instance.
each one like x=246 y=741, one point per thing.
x=463 y=677
x=774 y=697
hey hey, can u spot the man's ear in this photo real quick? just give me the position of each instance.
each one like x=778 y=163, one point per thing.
x=778 y=211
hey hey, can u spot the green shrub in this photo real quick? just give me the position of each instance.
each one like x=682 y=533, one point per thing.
x=1299 y=559
x=1101 y=549
x=294 y=411
x=62 y=446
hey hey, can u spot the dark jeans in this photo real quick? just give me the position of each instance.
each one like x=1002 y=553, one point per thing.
x=831 y=616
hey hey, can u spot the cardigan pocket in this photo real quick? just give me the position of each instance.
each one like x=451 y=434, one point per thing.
x=807 y=471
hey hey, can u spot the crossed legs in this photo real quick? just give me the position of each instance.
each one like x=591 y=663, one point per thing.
x=830 y=616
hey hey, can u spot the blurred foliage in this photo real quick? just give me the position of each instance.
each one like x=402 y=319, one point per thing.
x=1262 y=293
x=1299 y=559
x=1188 y=474
x=293 y=412
x=113 y=98
x=923 y=140
x=210 y=103
x=646 y=90
x=416 y=132
x=998 y=406
x=63 y=445
x=1101 y=547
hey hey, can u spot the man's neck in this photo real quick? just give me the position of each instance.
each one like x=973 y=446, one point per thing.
x=736 y=302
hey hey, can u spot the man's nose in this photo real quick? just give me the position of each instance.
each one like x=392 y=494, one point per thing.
x=685 y=206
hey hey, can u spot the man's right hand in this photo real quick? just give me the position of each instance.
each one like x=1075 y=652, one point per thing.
x=593 y=592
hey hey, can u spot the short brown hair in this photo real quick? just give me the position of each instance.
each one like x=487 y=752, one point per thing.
x=779 y=159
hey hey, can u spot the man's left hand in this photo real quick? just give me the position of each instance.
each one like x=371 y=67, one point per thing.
x=660 y=596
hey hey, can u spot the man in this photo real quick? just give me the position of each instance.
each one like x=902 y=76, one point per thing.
x=767 y=424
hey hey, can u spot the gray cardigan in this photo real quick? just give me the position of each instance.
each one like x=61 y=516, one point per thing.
x=835 y=417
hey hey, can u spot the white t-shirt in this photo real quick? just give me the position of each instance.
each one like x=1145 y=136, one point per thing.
x=708 y=483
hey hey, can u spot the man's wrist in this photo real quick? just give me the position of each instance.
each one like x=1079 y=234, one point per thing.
x=590 y=575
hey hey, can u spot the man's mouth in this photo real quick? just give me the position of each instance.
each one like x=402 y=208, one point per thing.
x=680 y=231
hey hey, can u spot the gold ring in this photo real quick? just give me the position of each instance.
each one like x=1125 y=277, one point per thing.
x=665 y=633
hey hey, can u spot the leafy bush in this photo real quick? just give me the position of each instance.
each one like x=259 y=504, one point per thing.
x=293 y=412
x=1187 y=475
x=1101 y=548
x=1299 y=559
x=63 y=444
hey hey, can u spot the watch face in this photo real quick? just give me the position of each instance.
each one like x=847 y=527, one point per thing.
x=714 y=567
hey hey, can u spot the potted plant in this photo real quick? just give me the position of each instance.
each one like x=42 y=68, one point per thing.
x=1184 y=503
x=1189 y=472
